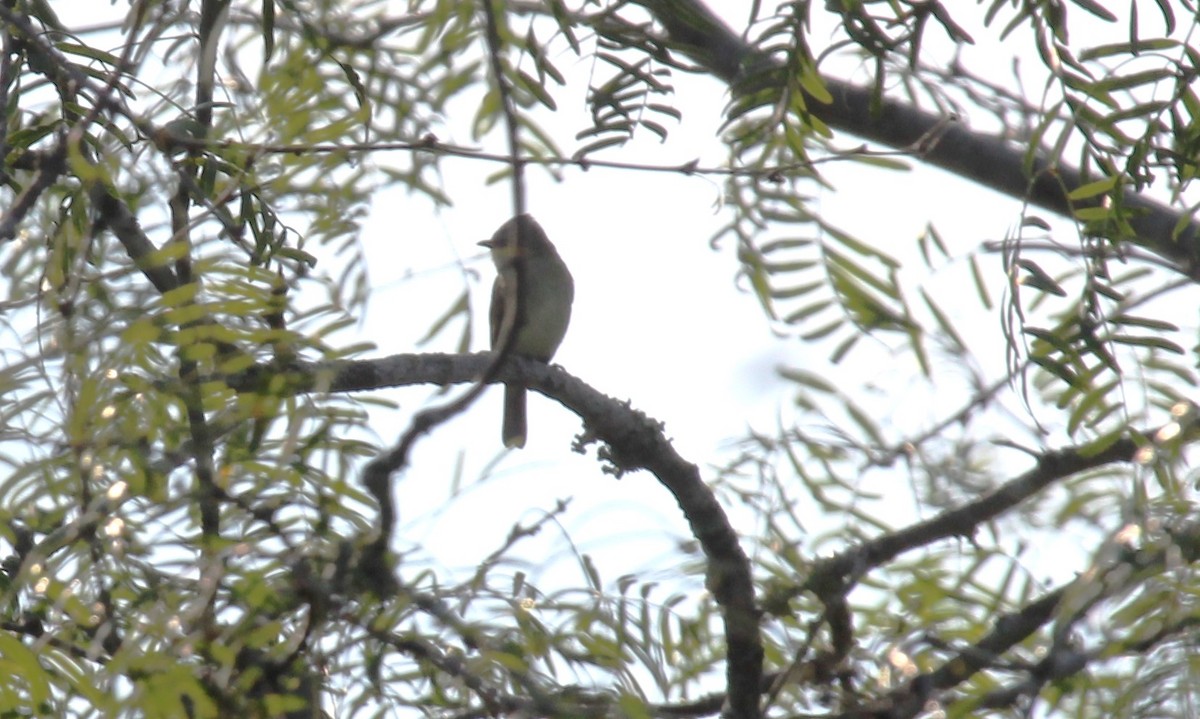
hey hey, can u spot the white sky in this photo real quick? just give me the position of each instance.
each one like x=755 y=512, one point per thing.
x=657 y=316
x=657 y=319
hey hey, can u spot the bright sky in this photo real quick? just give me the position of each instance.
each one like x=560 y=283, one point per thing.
x=658 y=319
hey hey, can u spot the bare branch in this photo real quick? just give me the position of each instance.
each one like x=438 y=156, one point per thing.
x=632 y=441
x=836 y=576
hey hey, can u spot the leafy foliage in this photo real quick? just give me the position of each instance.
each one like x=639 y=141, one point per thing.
x=186 y=529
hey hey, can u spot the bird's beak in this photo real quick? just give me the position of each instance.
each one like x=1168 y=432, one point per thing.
x=486 y=243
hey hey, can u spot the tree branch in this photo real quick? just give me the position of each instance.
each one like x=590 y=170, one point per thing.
x=837 y=575
x=632 y=441
x=1009 y=630
x=989 y=161
x=1179 y=544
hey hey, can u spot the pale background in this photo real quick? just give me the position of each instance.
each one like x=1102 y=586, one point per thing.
x=659 y=318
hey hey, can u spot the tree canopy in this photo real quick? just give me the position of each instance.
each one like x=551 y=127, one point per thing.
x=198 y=508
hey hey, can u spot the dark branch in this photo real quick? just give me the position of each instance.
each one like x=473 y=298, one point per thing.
x=836 y=576
x=1123 y=572
x=989 y=161
x=632 y=441
x=1010 y=629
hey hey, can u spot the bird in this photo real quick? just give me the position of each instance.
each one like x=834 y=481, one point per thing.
x=529 y=273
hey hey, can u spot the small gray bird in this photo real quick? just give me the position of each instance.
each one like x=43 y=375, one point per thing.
x=529 y=272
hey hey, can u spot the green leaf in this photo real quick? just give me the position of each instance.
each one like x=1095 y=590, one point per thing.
x=797 y=290
x=807 y=379
x=487 y=114
x=565 y=24
x=268 y=29
x=182 y=295
x=980 y=287
x=865 y=423
x=944 y=322
x=1147 y=322
x=1168 y=13
x=1091 y=401
x=841 y=264
x=535 y=88
x=70 y=48
x=1101 y=443
x=1058 y=369
x=1091 y=189
x=823 y=331
x=21 y=666
x=141 y=332
x=1127 y=48
x=458 y=308
x=598 y=145
x=807 y=311
x=1153 y=342
x=861 y=248
x=1113 y=83
x=839 y=353
x=1039 y=279
x=814 y=85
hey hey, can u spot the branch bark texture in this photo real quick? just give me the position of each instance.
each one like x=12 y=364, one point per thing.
x=632 y=441
x=990 y=161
